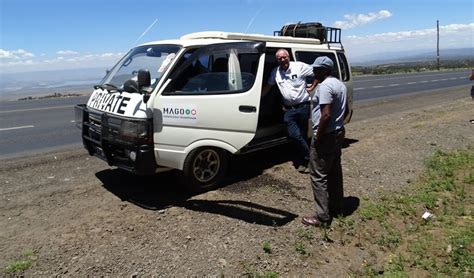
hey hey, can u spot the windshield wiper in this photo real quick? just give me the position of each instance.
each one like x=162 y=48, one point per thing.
x=109 y=87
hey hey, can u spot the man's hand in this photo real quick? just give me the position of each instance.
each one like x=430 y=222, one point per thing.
x=324 y=121
x=312 y=86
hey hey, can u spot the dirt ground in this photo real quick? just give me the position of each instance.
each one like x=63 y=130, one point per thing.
x=76 y=216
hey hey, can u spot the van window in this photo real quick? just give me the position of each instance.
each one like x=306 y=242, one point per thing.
x=216 y=72
x=309 y=57
x=344 y=66
x=154 y=58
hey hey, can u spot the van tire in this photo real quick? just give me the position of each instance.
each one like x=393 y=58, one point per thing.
x=204 y=168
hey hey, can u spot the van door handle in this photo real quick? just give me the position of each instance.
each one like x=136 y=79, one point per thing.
x=247 y=109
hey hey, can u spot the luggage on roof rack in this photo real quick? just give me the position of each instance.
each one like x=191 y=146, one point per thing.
x=314 y=30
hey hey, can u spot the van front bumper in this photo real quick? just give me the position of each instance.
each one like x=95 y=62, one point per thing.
x=102 y=136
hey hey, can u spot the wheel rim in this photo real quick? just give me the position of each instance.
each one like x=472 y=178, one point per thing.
x=206 y=165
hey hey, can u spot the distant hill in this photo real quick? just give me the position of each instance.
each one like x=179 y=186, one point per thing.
x=412 y=56
x=22 y=84
x=50 y=78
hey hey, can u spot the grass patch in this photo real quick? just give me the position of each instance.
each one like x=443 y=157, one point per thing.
x=266 y=247
x=440 y=246
x=249 y=271
x=21 y=265
x=443 y=244
x=301 y=248
x=306 y=234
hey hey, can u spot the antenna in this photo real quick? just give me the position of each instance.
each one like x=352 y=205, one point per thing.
x=147 y=29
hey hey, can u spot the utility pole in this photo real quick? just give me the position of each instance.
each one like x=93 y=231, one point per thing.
x=437 y=41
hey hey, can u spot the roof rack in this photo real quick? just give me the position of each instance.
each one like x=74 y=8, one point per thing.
x=326 y=35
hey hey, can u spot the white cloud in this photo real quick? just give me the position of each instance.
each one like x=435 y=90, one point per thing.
x=354 y=20
x=67 y=52
x=19 y=54
x=453 y=29
x=21 y=63
x=451 y=36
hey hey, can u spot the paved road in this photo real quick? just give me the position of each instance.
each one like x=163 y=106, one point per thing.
x=39 y=125
x=371 y=87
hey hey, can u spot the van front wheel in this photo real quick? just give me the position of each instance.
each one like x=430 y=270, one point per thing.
x=204 y=168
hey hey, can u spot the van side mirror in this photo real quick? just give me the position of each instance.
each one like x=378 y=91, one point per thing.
x=144 y=79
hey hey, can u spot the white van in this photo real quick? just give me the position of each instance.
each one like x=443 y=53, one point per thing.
x=189 y=103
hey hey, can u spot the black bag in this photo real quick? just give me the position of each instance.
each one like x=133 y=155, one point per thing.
x=313 y=30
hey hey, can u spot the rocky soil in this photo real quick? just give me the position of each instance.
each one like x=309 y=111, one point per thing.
x=75 y=216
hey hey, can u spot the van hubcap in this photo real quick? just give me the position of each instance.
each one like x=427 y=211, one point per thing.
x=206 y=165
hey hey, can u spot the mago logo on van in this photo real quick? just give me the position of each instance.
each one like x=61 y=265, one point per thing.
x=179 y=113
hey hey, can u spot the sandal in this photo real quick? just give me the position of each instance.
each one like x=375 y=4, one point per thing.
x=313 y=221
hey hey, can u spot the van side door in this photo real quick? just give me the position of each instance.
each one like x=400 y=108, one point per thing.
x=211 y=98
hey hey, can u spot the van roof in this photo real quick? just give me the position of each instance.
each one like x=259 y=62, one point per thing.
x=211 y=37
x=252 y=37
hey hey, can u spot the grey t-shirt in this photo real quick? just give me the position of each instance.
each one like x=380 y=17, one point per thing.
x=331 y=90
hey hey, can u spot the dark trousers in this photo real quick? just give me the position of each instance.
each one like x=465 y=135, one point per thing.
x=326 y=175
x=297 y=123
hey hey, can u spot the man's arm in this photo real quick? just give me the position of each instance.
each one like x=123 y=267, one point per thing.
x=324 y=121
x=313 y=85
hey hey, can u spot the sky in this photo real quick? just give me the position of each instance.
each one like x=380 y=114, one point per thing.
x=41 y=35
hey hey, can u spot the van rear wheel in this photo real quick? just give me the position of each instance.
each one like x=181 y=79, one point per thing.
x=204 y=168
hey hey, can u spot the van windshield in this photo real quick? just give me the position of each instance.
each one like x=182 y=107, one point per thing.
x=154 y=58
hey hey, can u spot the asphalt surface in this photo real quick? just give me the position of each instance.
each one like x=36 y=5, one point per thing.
x=33 y=126
x=372 y=87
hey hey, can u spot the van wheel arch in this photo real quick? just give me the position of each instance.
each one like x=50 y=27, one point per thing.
x=204 y=168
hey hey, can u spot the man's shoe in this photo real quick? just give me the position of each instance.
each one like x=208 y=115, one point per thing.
x=314 y=221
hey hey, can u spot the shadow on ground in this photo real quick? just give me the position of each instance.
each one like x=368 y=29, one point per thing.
x=242 y=210
x=348 y=142
x=164 y=190
x=351 y=204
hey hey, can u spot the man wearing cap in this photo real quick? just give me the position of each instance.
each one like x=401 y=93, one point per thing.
x=329 y=103
x=290 y=77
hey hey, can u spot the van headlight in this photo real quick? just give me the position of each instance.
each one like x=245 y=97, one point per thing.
x=135 y=131
x=129 y=131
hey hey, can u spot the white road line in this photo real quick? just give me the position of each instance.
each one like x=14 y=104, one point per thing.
x=16 y=127
x=393 y=85
x=436 y=80
x=423 y=81
x=36 y=109
x=375 y=87
x=411 y=83
x=356 y=89
x=401 y=77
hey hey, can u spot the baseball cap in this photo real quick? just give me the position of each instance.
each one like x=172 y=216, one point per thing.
x=323 y=62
